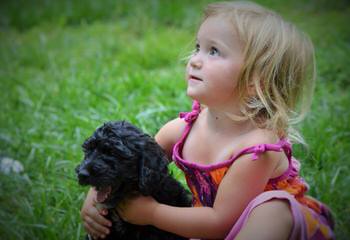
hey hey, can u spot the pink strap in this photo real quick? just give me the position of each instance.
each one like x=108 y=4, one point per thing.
x=281 y=145
x=190 y=117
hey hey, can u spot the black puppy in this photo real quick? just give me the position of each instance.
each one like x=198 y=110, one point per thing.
x=121 y=162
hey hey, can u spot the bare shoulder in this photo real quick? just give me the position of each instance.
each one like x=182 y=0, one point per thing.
x=278 y=159
x=170 y=133
x=262 y=136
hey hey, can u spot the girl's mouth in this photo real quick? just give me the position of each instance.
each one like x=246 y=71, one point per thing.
x=192 y=77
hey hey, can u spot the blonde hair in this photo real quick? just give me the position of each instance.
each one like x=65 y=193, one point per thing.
x=279 y=66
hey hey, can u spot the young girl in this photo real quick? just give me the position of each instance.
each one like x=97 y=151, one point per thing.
x=251 y=77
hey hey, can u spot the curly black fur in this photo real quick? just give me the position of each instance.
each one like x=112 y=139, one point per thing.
x=120 y=156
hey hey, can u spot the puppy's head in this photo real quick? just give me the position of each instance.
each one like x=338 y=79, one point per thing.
x=120 y=160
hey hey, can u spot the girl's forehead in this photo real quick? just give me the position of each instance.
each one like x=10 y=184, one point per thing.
x=218 y=28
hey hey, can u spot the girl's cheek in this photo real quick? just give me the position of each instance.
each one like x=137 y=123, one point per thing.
x=186 y=73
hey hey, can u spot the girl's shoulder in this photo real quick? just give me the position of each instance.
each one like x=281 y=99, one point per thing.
x=262 y=137
x=258 y=137
x=173 y=125
x=170 y=133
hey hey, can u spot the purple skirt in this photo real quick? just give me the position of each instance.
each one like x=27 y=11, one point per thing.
x=299 y=230
x=300 y=220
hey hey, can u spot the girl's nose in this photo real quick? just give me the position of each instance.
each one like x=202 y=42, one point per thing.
x=196 y=62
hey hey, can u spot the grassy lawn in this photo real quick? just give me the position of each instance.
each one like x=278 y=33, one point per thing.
x=66 y=67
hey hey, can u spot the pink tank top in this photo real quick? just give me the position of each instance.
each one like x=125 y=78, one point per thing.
x=204 y=180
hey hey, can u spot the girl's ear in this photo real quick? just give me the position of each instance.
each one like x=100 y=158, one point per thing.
x=251 y=90
x=252 y=85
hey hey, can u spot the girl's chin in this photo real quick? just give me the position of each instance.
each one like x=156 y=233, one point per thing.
x=193 y=94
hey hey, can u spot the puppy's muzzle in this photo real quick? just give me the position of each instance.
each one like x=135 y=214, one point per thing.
x=83 y=175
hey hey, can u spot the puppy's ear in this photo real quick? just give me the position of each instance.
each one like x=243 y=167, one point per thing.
x=152 y=168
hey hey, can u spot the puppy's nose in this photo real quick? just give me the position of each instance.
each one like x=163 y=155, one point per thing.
x=83 y=173
x=77 y=169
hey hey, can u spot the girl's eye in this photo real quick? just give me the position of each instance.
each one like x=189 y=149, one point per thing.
x=214 y=51
x=196 y=50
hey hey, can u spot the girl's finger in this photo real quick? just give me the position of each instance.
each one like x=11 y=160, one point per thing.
x=96 y=216
x=101 y=220
x=90 y=231
x=96 y=227
x=104 y=212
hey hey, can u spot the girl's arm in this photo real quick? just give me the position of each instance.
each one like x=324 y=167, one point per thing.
x=245 y=180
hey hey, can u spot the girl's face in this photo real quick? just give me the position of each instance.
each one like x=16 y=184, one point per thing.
x=213 y=69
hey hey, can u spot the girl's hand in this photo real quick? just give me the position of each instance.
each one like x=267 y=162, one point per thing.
x=138 y=210
x=94 y=221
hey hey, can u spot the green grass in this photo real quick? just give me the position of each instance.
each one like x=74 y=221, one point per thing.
x=67 y=67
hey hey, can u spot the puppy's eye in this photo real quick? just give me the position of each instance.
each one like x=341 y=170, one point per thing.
x=93 y=170
x=85 y=150
x=88 y=145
